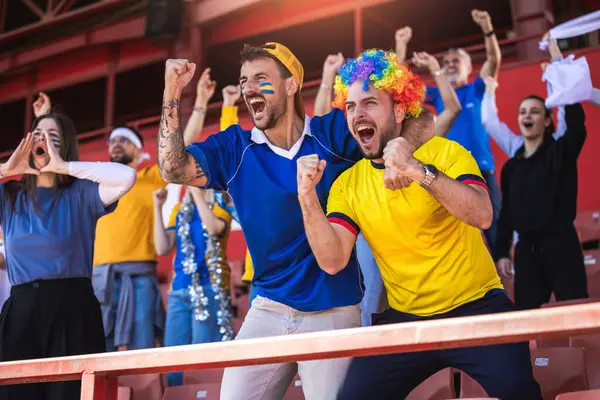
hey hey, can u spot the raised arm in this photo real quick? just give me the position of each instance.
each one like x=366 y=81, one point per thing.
x=323 y=100
x=452 y=106
x=492 y=48
x=176 y=165
x=164 y=240
x=466 y=197
x=402 y=37
x=229 y=111
x=331 y=244
x=214 y=226
x=204 y=91
x=499 y=131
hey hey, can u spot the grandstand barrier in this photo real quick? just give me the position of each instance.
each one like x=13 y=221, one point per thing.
x=99 y=372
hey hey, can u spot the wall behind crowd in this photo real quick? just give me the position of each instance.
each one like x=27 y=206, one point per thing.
x=515 y=83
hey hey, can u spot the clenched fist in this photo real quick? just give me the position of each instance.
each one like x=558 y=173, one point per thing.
x=398 y=156
x=483 y=19
x=159 y=196
x=231 y=94
x=42 y=105
x=205 y=89
x=403 y=35
x=309 y=173
x=332 y=63
x=178 y=73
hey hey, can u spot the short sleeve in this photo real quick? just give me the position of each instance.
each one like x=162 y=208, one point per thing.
x=463 y=167
x=90 y=193
x=338 y=209
x=173 y=218
x=154 y=176
x=479 y=86
x=218 y=156
x=222 y=214
x=333 y=127
x=431 y=95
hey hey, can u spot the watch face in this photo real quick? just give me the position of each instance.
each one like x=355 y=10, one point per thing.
x=431 y=168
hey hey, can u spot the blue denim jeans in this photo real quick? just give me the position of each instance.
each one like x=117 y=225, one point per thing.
x=143 y=334
x=182 y=328
x=372 y=280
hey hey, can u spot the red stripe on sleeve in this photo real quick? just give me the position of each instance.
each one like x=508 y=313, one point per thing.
x=476 y=182
x=345 y=224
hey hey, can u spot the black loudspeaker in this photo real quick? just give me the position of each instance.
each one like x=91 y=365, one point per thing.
x=163 y=18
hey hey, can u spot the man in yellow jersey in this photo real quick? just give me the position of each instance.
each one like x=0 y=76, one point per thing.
x=125 y=258
x=425 y=237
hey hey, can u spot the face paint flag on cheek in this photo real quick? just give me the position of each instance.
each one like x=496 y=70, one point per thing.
x=56 y=143
x=266 y=88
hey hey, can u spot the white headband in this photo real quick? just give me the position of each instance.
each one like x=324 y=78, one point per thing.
x=133 y=138
x=128 y=134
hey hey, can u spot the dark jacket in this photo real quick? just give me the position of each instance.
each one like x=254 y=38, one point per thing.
x=539 y=193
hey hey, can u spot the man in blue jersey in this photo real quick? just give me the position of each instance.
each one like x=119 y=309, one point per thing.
x=258 y=169
x=468 y=129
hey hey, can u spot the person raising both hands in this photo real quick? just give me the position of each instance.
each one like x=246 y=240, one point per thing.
x=49 y=220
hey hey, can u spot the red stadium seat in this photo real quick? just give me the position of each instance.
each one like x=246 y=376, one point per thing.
x=585 y=395
x=559 y=370
x=561 y=341
x=124 y=393
x=470 y=388
x=591 y=344
x=147 y=387
x=208 y=391
x=295 y=391
x=439 y=386
x=214 y=375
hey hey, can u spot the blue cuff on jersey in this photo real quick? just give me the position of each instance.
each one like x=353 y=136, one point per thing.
x=345 y=221
x=470 y=179
x=201 y=160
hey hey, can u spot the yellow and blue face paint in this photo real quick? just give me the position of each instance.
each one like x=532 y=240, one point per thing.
x=56 y=142
x=266 y=88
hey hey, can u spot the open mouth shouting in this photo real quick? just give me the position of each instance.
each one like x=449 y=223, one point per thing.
x=39 y=151
x=527 y=124
x=257 y=105
x=365 y=133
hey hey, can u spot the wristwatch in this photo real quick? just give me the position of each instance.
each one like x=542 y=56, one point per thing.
x=430 y=173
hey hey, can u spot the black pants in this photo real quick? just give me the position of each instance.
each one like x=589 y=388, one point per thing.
x=503 y=370
x=49 y=319
x=549 y=263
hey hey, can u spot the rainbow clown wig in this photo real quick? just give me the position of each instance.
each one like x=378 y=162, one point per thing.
x=383 y=71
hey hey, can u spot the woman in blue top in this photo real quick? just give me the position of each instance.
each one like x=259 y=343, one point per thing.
x=49 y=222
x=199 y=306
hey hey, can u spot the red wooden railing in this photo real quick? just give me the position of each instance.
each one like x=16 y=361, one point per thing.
x=99 y=372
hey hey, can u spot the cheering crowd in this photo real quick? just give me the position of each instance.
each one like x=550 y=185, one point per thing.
x=371 y=211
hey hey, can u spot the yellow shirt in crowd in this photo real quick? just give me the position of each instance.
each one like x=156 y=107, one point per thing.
x=127 y=234
x=430 y=261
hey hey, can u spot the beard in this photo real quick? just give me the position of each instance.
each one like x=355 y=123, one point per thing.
x=272 y=118
x=123 y=158
x=387 y=133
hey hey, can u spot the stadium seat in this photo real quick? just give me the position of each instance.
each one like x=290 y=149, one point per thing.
x=124 y=393
x=561 y=341
x=470 y=388
x=146 y=387
x=439 y=386
x=591 y=344
x=214 y=375
x=208 y=391
x=559 y=370
x=295 y=391
x=584 y=395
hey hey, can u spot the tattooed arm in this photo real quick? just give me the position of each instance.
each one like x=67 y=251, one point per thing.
x=176 y=165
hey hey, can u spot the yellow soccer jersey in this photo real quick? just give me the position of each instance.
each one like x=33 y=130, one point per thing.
x=127 y=234
x=430 y=261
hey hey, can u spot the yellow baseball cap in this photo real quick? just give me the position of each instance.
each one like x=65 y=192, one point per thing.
x=289 y=60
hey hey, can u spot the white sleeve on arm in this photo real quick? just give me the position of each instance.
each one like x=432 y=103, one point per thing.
x=115 y=179
x=561 y=123
x=499 y=131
